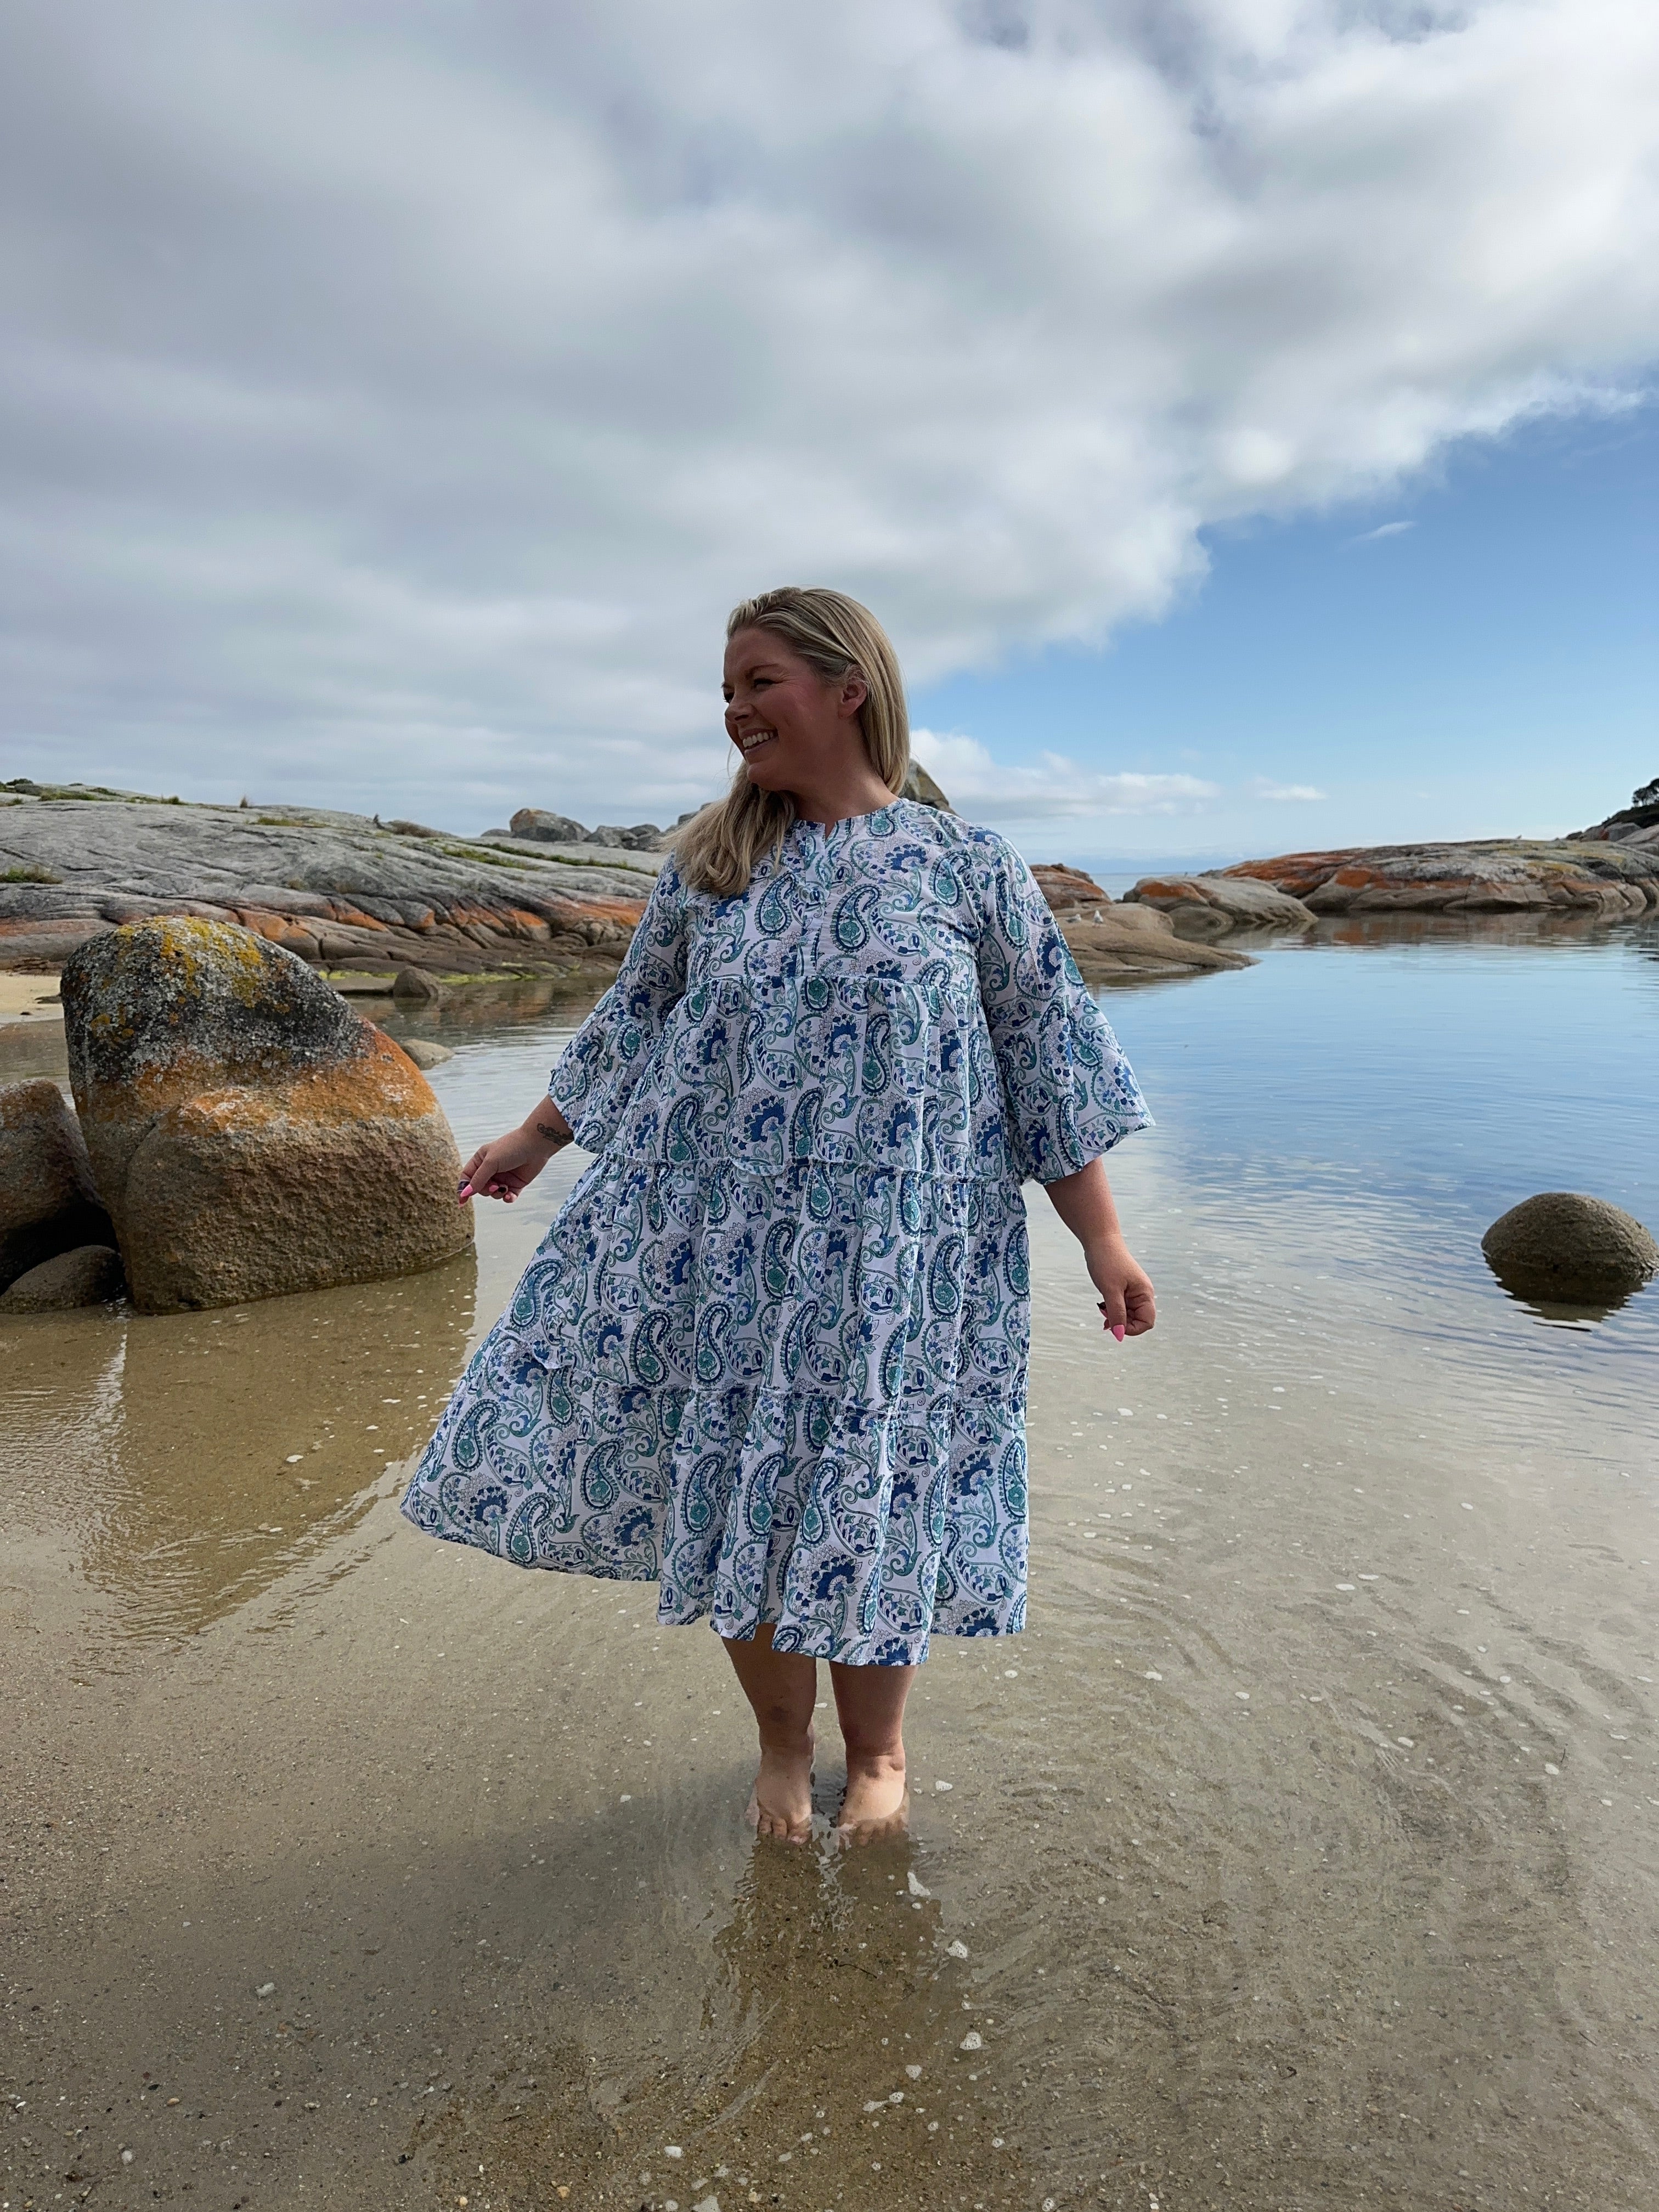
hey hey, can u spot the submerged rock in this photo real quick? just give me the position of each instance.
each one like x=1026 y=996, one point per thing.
x=1564 y=1247
x=49 y=1201
x=425 y=1052
x=251 y=1133
x=90 y=1275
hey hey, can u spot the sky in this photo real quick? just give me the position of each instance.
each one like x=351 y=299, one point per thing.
x=1240 y=412
x=1478 y=656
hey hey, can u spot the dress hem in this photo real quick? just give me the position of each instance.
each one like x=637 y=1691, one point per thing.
x=898 y=1651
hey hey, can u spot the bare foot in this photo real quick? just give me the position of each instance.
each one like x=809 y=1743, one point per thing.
x=781 y=1802
x=877 y=1801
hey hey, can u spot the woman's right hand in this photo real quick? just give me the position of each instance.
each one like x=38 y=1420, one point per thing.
x=512 y=1162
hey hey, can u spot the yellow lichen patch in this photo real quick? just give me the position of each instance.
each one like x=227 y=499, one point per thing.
x=192 y=947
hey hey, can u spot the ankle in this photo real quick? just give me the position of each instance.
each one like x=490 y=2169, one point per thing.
x=875 y=1759
x=786 y=1743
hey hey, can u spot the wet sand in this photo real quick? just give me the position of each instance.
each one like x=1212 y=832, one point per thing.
x=1302 y=1853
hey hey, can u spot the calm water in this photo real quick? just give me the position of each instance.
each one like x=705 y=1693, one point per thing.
x=1302 y=1853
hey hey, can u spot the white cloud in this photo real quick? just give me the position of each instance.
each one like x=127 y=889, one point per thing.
x=988 y=790
x=1264 y=788
x=396 y=398
x=1383 y=530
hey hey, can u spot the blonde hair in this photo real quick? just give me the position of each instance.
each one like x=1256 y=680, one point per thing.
x=718 y=849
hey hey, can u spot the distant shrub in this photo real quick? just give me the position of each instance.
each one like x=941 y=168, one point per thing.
x=28 y=875
x=486 y=854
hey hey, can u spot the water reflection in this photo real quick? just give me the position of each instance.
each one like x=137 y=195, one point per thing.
x=190 y=1460
x=487 y=1009
x=846 y=2015
x=1304 y=1851
x=1526 y=927
x=1559 y=1313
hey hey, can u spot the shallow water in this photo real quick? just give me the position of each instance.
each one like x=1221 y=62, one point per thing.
x=1303 y=1851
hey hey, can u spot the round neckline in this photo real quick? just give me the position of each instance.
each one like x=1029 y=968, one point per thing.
x=827 y=829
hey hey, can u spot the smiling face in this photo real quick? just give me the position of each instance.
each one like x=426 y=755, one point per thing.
x=797 y=732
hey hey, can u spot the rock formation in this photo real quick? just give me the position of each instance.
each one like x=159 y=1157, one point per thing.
x=1498 y=876
x=920 y=787
x=1138 y=941
x=1110 y=941
x=1211 y=905
x=542 y=828
x=90 y=1275
x=49 y=1201
x=341 y=890
x=425 y=1052
x=1069 y=891
x=536 y=827
x=1635 y=824
x=250 y=1133
x=413 y=986
x=1565 y=1248
x=344 y=891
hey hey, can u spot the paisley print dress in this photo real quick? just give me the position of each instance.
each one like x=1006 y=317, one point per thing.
x=771 y=1355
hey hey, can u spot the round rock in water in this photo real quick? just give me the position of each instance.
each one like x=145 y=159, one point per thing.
x=89 y=1276
x=413 y=986
x=250 y=1132
x=425 y=1052
x=1565 y=1247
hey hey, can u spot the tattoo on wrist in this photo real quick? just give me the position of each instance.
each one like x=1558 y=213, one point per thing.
x=553 y=1136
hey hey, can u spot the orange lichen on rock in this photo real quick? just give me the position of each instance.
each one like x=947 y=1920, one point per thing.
x=1068 y=889
x=521 y=923
x=251 y=1133
x=1489 y=876
x=569 y=914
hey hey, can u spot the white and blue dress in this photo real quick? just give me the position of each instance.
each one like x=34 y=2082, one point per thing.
x=771 y=1355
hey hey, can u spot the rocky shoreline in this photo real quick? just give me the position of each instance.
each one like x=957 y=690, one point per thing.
x=343 y=890
x=1114 y=942
x=351 y=894
x=1611 y=869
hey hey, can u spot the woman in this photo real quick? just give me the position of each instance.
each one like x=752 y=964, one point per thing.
x=771 y=1355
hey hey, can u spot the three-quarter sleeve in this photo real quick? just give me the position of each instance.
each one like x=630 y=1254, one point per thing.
x=603 y=1063
x=1069 y=1092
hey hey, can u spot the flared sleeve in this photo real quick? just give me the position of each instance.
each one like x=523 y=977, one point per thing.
x=599 y=1068
x=1070 y=1094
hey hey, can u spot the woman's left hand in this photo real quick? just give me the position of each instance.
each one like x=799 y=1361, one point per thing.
x=1126 y=1298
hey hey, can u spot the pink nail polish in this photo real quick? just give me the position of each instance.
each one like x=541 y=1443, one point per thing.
x=1117 y=1331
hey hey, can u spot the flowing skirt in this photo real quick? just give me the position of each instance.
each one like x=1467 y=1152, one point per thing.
x=794 y=1396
